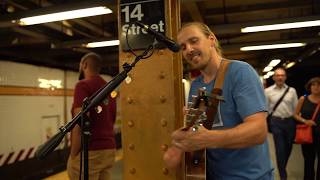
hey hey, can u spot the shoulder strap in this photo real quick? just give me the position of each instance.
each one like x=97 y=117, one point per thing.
x=279 y=101
x=315 y=112
x=220 y=75
x=216 y=94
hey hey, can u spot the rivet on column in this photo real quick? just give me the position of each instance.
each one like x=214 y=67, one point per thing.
x=130 y=123
x=163 y=122
x=131 y=146
x=161 y=51
x=165 y=171
x=162 y=75
x=164 y=147
x=132 y=170
x=129 y=100
x=163 y=99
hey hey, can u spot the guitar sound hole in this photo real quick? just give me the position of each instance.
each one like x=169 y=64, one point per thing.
x=197 y=157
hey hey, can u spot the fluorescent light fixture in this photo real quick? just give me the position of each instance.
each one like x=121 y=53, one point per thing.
x=270 y=73
x=102 y=44
x=289 y=65
x=265 y=76
x=272 y=46
x=280 y=26
x=274 y=62
x=73 y=14
x=267 y=68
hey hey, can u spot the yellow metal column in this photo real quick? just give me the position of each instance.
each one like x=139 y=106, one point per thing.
x=151 y=102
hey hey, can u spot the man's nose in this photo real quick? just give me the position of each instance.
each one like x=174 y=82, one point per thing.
x=189 y=48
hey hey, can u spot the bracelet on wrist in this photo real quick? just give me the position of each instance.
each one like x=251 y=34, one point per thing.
x=303 y=120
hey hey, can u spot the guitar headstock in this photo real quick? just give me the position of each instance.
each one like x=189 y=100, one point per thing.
x=196 y=111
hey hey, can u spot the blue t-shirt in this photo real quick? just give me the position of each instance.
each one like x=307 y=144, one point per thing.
x=243 y=94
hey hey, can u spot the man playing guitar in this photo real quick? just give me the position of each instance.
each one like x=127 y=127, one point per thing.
x=236 y=145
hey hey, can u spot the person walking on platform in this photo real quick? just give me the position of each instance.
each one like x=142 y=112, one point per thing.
x=282 y=101
x=102 y=141
x=307 y=112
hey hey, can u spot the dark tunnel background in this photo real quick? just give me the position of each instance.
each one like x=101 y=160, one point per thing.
x=298 y=75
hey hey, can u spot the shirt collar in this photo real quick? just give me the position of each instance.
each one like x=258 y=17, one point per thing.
x=283 y=87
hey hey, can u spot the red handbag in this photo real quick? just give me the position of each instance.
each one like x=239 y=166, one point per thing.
x=304 y=132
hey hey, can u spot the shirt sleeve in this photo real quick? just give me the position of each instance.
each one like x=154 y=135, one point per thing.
x=80 y=92
x=248 y=92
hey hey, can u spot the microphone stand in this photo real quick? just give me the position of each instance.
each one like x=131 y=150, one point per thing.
x=46 y=148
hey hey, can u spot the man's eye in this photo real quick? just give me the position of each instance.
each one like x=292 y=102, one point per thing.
x=194 y=41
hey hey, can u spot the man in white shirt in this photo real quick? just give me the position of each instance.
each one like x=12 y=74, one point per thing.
x=282 y=124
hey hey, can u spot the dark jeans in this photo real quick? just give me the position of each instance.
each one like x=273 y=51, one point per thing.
x=283 y=131
x=310 y=152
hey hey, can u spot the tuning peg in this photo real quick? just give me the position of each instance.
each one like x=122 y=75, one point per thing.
x=203 y=117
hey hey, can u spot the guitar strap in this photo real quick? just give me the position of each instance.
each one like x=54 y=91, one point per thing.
x=216 y=94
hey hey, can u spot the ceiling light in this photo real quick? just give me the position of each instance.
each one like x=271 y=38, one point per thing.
x=280 y=26
x=73 y=14
x=265 y=76
x=274 y=62
x=272 y=46
x=270 y=73
x=267 y=69
x=289 y=65
x=102 y=44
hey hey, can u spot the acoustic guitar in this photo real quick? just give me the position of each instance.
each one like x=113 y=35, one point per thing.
x=195 y=162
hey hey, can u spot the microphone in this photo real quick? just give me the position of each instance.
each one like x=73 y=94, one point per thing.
x=169 y=43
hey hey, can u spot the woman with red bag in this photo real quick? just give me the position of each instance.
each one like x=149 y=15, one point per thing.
x=307 y=112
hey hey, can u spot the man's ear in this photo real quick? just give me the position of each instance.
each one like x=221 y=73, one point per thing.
x=213 y=40
x=85 y=65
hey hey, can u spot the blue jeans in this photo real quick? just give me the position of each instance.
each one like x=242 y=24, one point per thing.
x=283 y=130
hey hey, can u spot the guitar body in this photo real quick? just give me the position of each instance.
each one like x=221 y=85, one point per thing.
x=195 y=165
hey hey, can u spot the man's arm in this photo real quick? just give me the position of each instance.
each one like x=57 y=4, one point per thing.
x=75 y=137
x=251 y=132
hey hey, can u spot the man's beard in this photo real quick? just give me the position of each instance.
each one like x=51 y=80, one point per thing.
x=81 y=75
x=199 y=65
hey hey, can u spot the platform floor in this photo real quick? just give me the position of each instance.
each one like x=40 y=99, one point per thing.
x=295 y=165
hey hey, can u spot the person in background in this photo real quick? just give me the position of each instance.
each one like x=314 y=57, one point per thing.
x=282 y=122
x=303 y=114
x=102 y=142
x=236 y=146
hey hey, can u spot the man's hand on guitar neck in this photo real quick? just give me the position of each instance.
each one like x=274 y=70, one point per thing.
x=189 y=140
